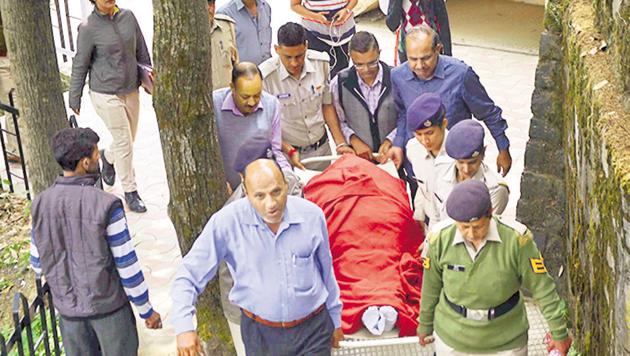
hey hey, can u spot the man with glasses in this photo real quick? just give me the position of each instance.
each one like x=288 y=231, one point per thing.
x=457 y=83
x=362 y=97
x=300 y=79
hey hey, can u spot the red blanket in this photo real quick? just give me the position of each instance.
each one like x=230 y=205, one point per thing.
x=373 y=239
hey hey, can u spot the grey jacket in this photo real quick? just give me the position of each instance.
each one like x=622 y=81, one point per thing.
x=110 y=50
x=70 y=232
x=371 y=129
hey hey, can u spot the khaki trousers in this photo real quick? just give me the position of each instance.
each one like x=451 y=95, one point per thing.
x=442 y=349
x=6 y=84
x=120 y=115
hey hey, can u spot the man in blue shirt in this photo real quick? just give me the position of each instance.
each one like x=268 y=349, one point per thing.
x=462 y=93
x=276 y=248
x=253 y=28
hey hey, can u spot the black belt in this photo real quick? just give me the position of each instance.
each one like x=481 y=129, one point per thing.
x=493 y=313
x=314 y=146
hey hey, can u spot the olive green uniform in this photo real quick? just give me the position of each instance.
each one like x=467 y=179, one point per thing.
x=508 y=261
x=224 y=53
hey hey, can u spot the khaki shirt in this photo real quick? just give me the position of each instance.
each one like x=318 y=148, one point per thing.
x=301 y=99
x=224 y=53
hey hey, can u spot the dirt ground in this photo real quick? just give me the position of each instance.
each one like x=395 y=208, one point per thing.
x=15 y=275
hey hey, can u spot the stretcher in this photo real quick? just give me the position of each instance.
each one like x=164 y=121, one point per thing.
x=363 y=342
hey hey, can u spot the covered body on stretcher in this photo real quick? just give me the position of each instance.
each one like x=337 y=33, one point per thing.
x=374 y=243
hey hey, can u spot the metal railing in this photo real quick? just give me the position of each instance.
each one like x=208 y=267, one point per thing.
x=14 y=113
x=24 y=339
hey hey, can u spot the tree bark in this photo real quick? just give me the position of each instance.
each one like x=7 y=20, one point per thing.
x=30 y=44
x=183 y=105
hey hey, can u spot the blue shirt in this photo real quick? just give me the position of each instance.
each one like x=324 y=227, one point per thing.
x=253 y=34
x=461 y=92
x=280 y=277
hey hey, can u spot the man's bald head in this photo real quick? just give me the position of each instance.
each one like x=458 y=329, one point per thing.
x=266 y=189
x=245 y=70
x=262 y=167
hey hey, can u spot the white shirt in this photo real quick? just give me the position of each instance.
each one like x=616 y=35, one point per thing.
x=447 y=179
x=425 y=172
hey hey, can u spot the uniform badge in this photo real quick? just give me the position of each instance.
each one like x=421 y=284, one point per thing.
x=538 y=265
x=524 y=239
x=283 y=95
x=427 y=123
x=426 y=263
x=475 y=154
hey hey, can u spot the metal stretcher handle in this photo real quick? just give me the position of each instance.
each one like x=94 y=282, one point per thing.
x=380 y=342
x=325 y=158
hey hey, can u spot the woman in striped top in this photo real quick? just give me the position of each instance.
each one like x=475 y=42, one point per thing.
x=329 y=26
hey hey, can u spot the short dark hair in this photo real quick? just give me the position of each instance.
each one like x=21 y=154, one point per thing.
x=71 y=145
x=363 y=42
x=291 y=34
x=245 y=69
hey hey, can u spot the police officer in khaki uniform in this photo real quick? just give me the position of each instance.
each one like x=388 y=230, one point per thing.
x=224 y=52
x=473 y=273
x=464 y=144
x=299 y=78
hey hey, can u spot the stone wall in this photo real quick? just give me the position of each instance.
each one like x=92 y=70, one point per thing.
x=577 y=171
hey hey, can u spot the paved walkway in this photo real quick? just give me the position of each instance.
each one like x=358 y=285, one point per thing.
x=508 y=77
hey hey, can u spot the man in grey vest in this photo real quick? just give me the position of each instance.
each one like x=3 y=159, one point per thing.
x=362 y=97
x=81 y=244
x=243 y=111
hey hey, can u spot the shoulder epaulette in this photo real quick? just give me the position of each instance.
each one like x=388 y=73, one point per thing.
x=269 y=66
x=224 y=18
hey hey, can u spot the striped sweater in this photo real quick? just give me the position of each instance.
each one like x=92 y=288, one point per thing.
x=125 y=259
x=333 y=35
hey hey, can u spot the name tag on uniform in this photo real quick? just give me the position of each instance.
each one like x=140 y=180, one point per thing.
x=457 y=268
x=283 y=95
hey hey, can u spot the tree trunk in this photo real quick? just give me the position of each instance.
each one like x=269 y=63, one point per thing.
x=30 y=44
x=194 y=168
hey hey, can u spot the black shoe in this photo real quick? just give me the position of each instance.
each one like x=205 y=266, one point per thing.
x=134 y=202
x=108 y=174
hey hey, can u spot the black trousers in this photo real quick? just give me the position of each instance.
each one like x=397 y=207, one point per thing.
x=339 y=57
x=311 y=338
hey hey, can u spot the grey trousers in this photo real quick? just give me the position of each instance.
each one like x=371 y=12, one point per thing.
x=311 y=338
x=114 y=334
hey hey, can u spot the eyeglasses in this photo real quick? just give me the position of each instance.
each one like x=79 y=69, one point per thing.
x=371 y=65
